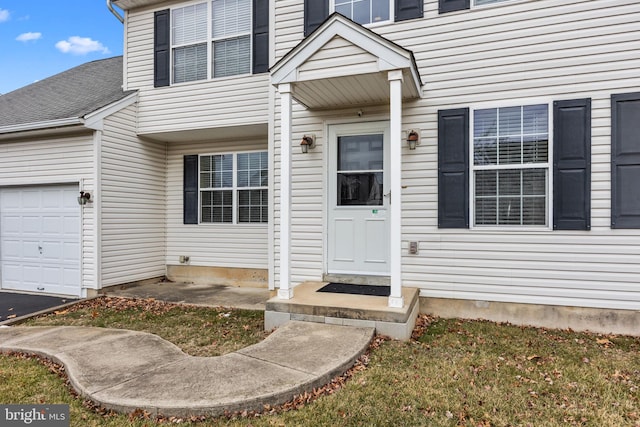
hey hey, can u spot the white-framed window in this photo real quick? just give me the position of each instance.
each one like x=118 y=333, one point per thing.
x=234 y=188
x=511 y=167
x=364 y=11
x=210 y=40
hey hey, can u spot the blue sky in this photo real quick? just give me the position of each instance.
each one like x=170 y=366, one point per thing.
x=40 y=38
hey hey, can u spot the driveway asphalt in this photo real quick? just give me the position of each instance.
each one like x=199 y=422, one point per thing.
x=14 y=305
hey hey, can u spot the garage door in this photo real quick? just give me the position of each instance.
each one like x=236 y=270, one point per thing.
x=40 y=239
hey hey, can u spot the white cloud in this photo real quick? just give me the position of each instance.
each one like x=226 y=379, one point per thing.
x=4 y=15
x=25 y=37
x=81 y=46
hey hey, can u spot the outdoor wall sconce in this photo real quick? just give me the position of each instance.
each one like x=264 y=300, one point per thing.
x=84 y=198
x=412 y=139
x=308 y=141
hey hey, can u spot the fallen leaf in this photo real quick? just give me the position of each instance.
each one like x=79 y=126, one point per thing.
x=11 y=316
x=535 y=356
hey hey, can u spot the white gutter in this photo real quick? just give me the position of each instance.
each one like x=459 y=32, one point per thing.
x=41 y=125
x=115 y=12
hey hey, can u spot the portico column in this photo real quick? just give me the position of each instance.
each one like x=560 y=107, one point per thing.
x=395 y=246
x=285 y=290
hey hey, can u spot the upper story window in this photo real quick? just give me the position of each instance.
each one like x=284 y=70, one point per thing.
x=218 y=46
x=364 y=11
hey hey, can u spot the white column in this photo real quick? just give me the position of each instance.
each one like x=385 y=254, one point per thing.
x=395 y=246
x=285 y=290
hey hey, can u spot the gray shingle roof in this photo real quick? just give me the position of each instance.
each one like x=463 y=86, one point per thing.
x=71 y=94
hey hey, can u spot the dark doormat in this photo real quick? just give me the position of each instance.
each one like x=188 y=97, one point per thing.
x=345 y=288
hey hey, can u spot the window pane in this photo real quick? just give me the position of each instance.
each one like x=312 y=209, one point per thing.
x=535 y=119
x=534 y=182
x=231 y=17
x=362 y=11
x=485 y=123
x=232 y=56
x=486 y=183
x=481 y=2
x=359 y=189
x=360 y=153
x=485 y=211
x=535 y=149
x=252 y=206
x=379 y=10
x=509 y=121
x=190 y=63
x=510 y=150
x=534 y=210
x=509 y=182
x=189 y=24
x=485 y=151
x=509 y=211
x=344 y=9
x=216 y=206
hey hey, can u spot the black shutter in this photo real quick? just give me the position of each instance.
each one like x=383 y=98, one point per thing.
x=453 y=168
x=453 y=5
x=572 y=164
x=625 y=160
x=315 y=12
x=190 y=186
x=161 y=48
x=260 y=36
x=408 y=9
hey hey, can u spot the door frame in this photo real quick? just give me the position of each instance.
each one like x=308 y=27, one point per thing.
x=333 y=130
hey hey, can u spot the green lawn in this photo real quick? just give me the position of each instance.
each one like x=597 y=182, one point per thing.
x=456 y=373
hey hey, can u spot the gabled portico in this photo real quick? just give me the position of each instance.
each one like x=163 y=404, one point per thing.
x=343 y=64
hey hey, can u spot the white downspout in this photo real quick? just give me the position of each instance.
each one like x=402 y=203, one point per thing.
x=115 y=12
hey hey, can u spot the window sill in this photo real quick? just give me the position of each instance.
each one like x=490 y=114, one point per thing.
x=511 y=229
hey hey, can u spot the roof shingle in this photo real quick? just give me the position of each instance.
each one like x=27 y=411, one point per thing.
x=71 y=94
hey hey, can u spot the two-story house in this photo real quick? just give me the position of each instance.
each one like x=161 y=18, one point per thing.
x=485 y=153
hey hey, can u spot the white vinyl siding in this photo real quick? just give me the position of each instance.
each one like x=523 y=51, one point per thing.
x=231 y=101
x=56 y=160
x=549 y=50
x=217 y=245
x=133 y=183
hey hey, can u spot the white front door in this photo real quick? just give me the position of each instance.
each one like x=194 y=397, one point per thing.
x=40 y=239
x=358 y=207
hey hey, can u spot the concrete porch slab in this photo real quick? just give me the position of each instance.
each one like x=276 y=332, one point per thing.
x=344 y=309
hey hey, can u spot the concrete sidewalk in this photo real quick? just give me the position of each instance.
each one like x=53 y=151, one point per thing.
x=126 y=370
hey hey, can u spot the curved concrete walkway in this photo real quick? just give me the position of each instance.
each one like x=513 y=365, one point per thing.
x=125 y=370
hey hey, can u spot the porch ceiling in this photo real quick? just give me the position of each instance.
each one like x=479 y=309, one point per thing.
x=338 y=92
x=343 y=64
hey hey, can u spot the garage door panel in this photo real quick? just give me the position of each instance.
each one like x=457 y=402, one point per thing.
x=40 y=239
x=52 y=225
x=71 y=252
x=31 y=199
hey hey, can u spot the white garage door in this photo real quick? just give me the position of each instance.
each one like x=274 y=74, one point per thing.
x=40 y=239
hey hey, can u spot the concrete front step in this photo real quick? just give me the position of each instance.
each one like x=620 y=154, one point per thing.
x=345 y=309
